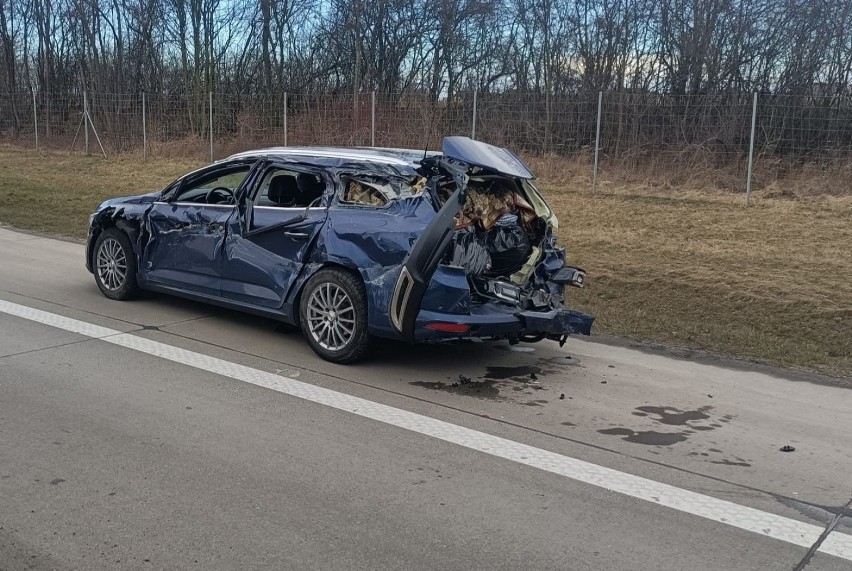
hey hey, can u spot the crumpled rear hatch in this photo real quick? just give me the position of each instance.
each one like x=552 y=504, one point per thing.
x=506 y=244
x=493 y=223
x=485 y=156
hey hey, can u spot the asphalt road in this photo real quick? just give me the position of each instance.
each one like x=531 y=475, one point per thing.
x=166 y=434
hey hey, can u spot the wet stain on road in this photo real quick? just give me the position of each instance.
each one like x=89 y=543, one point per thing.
x=648 y=438
x=673 y=416
x=726 y=462
x=517 y=373
x=478 y=389
x=522 y=379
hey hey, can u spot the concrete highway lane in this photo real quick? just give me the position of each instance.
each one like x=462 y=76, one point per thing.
x=165 y=434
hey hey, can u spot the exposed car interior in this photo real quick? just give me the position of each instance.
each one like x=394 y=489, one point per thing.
x=501 y=236
x=289 y=189
x=364 y=193
x=218 y=187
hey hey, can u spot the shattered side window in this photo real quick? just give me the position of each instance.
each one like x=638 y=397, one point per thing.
x=364 y=193
x=377 y=191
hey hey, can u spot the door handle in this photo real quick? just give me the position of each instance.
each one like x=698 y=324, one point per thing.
x=296 y=234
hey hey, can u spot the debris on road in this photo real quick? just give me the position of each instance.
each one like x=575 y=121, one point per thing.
x=787 y=448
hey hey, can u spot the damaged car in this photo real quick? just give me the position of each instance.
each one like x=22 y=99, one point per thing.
x=351 y=244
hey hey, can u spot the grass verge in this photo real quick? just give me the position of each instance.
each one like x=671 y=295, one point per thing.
x=772 y=282
x=54 y=192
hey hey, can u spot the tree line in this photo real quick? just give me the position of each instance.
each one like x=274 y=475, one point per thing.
x=677 y=74
x=431 y=47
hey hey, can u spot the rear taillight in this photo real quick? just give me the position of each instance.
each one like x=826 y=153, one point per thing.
x=448 y=327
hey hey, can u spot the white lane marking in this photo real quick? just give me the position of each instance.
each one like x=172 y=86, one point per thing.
x=722 y=511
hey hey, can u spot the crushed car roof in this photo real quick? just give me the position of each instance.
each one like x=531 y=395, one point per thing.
x=397 y=157
x=475 y=153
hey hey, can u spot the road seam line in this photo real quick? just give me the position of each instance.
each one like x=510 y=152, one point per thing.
x=749 y=519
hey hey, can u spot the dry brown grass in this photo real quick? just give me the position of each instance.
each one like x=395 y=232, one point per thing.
x=707 y=172
x=772 y=282
x=54 y=192
x=689 y=266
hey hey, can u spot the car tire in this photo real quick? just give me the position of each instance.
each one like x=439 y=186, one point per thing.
x=114 y=265
x=333 y=315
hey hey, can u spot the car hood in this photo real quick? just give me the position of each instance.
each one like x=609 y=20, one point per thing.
x=479 y=154
x=135 y=199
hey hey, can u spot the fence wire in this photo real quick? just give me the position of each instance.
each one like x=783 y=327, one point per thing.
x=639 y=132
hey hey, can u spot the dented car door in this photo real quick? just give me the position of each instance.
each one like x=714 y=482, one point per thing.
x=271 y=238
x=186 y=232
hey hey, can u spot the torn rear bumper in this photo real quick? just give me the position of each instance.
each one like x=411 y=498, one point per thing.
x=557 y=322
x=500 y=320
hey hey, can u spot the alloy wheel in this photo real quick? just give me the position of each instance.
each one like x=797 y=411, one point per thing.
x=331 y=316
x=111 y=264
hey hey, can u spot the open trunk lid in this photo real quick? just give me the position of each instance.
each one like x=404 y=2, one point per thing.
x=483 y=155
x=462 y=157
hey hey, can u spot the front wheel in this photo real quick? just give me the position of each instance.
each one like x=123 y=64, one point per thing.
x=333 y=315
x=115 y=265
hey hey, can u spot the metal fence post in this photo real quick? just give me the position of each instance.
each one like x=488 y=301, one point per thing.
x=751 y=149
x=473 y=122
x=597 y=143
x=285 y=118
x=144 y=130
x=210 y=108
x=86 y=120
x=35 y=119
x=373 y=118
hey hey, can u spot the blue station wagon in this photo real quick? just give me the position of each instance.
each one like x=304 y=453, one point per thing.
x=351 y=244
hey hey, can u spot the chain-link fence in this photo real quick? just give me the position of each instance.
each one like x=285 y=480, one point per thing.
x=724 y=140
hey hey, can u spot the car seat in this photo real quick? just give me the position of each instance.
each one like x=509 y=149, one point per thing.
x=284 y=191
x=311 y=187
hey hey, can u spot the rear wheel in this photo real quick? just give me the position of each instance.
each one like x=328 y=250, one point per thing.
x=333 y=315
x=114 y=265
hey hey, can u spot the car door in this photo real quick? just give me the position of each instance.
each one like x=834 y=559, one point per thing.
x=270 y=240
x=459 y=155
x=187 y=229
